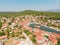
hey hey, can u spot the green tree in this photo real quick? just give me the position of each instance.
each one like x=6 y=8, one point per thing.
x=58 y=43
x=2 y=33
x=0 y=24
x=13 y=34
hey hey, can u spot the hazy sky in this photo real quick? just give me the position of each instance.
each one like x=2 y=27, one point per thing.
x=18 y=5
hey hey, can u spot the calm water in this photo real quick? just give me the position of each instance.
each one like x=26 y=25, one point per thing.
x=44 y=28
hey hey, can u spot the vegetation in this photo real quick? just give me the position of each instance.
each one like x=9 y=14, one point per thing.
x=58 y=26
x=34 y=36
x=0 y=24
x=13 y=35
x=33 y=40
x=46 y=36
x=27 y=32
x=58 y=41
x=23 y=37
x=49 y=24
x=2 y=33
x=52 y=15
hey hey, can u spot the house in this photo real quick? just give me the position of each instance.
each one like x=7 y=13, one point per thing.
x=39 y=37
x=9 y=20
x=36 y=29
x=24 y=22
x=37 y=44
x=15 y=20
x=56 y=35
x=3 y=37
x=1 y=43
x=4 y=25
x=13 y=24
x=54 y=40
x=30 y=29
x=20 y=24
x=15 y=31
x=17 y=42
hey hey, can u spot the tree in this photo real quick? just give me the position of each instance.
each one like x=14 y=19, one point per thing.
x=2 y=33
x=7 y=32
x=13 y=35
x=33 y=40
x=58 y=43
x=0 y=24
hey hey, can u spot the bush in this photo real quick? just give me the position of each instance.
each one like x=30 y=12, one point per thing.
x=0 y=24
x=46 y=36
x=26 y=31
x=2 y=33
x=33 y=40
x=58 y=43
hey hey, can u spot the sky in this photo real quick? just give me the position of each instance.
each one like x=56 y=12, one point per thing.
x=20 y=5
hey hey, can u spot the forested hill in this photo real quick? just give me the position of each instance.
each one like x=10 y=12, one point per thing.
x=31 y=12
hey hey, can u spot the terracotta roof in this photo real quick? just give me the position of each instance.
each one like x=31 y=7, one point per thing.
x=5 y=24
x=36 y=43
x=1 y=37
x=17 y=42
x=39 y=37
x=25 y=22
x=36 y=33
x=20 y=23
x=29 y=28
x=38 y=30
x=42 y=31
x=57 y=35
x=15 y=20
x=53 y=39
x=14 y=31
x=23 y=28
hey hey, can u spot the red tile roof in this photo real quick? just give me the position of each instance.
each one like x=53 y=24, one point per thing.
x=36 y=33
x=36 y=43
x=5 y=24
x=23 y=28
x=14 y=31
x=15 y=20
x=4 y=36
x=53 y=39
x=42 y=31
x=38 y=30
x=39 y=37
x=20 y=23
x=17 y=42
x=56 y=35
x=29 y=28
x=25 y=22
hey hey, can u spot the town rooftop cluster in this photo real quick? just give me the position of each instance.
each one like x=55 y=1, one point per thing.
x=16 y=31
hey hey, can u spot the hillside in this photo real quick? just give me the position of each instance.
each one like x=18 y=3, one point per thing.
x=53 y=10
x=55 y=15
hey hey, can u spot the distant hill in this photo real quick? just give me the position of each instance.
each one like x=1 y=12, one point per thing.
x=53 y=10
x=55 y=15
